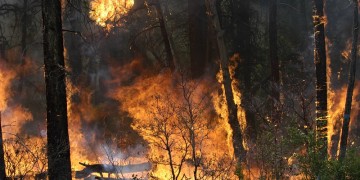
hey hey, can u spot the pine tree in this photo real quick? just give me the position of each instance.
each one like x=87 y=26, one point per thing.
x=59 y=166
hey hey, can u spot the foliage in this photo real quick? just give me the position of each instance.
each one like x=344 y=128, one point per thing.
x=311 y=165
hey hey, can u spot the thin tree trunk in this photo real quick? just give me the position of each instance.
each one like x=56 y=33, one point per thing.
x=24 y=26
x=164 y=34
x=275 y=74
x=351 y=84
x=273 y=48
x=2 y=48
x=321 y=80
x=59 y=166
x=170 y=32
x=2 y=160
x=197 y=36
x=73 y=40
x=241 y=14
x=237 y=138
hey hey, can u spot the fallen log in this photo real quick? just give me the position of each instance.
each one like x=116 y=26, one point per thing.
x=111 y=169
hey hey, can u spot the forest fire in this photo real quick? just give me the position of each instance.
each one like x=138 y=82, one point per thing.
x=336 y=102
x=21 y=156
x=205 y=89
x=175 y=116
x=5 y=77
x=336 y=113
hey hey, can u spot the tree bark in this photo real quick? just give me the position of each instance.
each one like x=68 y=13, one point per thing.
x=73 y=40
x=321 y=80
x=241 y=28
x=59 y=166
x=237 y=138
x=351 y=84
x=275 y=84
x=273 y=48
x=24 y=26
x=24 y=19
x=197 y=36
x=164 y=34
x=2 y=160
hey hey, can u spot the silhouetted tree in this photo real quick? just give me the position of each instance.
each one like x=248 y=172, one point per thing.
x=273 y=48
x=59 y=166
x=242 y=34
x=351 y=84
x=165 y=36
x=321 y=79
x=197 y=36
x=237 y=139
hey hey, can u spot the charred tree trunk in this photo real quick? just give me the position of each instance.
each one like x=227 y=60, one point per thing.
x=275 y=84
x=273 y=48
x=2 y=160
x=24 y=26
x=241 y=27
x=73 y=40
x=351 y=84
x=321 y=80
x=197 y=36
x=237 y=138
x=164 y=34
x=59 y=166
x=2 y=48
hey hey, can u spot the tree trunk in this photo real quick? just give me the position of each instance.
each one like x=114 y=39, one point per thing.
x=2 y=160
x=237 y=138
x=275 y=84
x=24 y=26
x=351 y=84
x=321 y=80
x=59 y=166
x=164 y=34
x=273 y=48
x=73 y=40
x=241 y=28
x=24 y=19
x=197 y=36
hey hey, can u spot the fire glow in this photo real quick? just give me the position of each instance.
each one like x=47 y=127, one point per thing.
x=107 y=13
x=164 y=121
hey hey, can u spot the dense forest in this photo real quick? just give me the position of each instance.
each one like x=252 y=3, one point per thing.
x=179 y=89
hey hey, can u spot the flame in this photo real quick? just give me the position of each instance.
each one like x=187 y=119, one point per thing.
x=107 y=13
x=23 y=155
x=155 y=101
x=6 y=78
x=234 y=63
x=347 y=51
x=330 y=95
x=337 y=100
x=78 y=143
x=336 y=110
x=12 y=116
